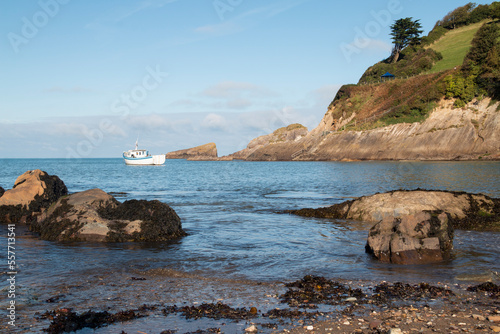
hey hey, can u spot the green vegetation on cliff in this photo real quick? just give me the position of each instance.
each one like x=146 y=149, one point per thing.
x=453 y=46
x=460 y=59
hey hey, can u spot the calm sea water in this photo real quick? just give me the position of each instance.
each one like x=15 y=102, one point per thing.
x=231 y=211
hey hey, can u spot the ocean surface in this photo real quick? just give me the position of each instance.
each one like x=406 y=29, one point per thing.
x=232 y=212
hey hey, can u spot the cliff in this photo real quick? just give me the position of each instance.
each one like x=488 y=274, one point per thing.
x=279 y=145
x=448 y=133
x=442 y=105
x=202 y=152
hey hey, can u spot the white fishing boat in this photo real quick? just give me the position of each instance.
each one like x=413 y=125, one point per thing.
x=142 y=157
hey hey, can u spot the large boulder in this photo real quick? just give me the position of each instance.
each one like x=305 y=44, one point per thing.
x=33 y=191
x=94 y=215
x=467 y=211
x=424 y=237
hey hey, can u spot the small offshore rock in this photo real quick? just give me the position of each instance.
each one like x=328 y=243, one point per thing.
x=351 y=299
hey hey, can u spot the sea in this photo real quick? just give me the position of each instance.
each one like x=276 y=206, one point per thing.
x=237 y=228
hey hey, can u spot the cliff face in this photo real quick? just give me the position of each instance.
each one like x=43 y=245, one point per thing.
x=279 y=145
x=447 y=134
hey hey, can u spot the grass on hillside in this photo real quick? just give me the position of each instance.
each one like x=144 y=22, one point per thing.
x=454 y=45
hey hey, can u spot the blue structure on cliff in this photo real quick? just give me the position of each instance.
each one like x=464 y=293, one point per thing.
x=387 y=76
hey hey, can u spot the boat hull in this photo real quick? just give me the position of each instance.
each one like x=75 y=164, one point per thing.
x=151 y=160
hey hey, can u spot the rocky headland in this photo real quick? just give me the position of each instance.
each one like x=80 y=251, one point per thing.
x=282 y=144
x=448 y=133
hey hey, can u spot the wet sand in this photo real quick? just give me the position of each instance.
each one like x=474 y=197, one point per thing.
x=167 y=301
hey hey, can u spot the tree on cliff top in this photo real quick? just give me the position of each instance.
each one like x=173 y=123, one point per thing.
x=404 y=32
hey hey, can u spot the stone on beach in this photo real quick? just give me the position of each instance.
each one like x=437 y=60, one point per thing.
x=33 y=191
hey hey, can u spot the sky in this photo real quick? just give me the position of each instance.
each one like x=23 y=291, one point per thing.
x=87 y=78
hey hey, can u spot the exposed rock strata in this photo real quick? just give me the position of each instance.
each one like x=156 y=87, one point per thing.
x=94 y=215
x=447 y=134
x=282 y=144
x=32 y=192
x=418 y=238
x=466 y=211
x=202 y=152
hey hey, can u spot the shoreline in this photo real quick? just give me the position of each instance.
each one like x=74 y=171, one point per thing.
x=169 y=301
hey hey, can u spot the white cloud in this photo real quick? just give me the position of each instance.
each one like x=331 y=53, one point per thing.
x=238 y=103
x=147 y=122
x=214 y=122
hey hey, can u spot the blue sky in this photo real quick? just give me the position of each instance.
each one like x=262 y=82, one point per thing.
x=86 y=78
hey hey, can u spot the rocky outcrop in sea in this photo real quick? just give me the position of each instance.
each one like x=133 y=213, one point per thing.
x=414 y=227
x=423 y=237
x=42 y=201
x=94 y=215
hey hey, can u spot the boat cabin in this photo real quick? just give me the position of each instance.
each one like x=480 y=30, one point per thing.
x=136 y=154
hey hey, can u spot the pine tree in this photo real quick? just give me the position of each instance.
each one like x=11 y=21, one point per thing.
x=404 y=32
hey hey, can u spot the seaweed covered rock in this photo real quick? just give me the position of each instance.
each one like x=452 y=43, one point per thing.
x=94 y=215
x=424 y=237
x=467 y=211
x=33 y=191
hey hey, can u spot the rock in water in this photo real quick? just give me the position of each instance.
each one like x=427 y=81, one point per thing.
x=33 y=191
x=467 y=211
x=424 y=237
x=2 y=191
x=94 y=215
